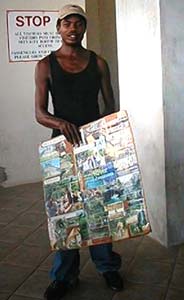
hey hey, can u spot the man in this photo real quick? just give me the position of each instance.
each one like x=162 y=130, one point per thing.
x=74 y=75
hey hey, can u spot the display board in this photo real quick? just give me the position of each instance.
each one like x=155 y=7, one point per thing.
x=93 y=193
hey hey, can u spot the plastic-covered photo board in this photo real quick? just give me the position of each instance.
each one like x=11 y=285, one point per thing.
x=93 y=193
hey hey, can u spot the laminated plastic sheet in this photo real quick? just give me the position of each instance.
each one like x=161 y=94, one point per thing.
x=93 y=193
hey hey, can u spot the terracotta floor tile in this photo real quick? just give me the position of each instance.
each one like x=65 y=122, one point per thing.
x=14 y=234
x=178 y=277
x=12 y=276
x=149 y=272
x=8 y=215
x=128 y=247
x=34 y=286
x=89 y=270
x=147 y=266
x=84 y=257
x=14 y=297
x=27 y=256
x=39 y=238
x=38 y=207
x=153 y=250
x=125 y=264
x=6 y=248
x=4 y=295
x=180 y=258
x=18 y=203
x=47 y=263
x=175 y=294
x=29 y=189
x=90 y=289
x=30 y=219
x=6 y=195
x=140 y=292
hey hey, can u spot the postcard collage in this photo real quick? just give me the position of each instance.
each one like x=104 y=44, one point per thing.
x=93 y=193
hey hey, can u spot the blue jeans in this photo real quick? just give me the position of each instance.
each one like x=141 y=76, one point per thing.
x=66 y=263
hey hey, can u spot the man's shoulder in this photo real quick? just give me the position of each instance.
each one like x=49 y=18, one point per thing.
x=100 y=60
x=42 y=69
x=42 y=66
x=44 y=61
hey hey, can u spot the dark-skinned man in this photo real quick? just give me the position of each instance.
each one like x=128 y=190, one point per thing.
x=74 y=76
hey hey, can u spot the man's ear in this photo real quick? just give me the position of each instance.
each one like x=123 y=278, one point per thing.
x=58 y=24
x=57 y=28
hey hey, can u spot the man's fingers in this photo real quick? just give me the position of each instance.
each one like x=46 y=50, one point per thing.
x=76 y=135
x=72 y=134
x=68 y=136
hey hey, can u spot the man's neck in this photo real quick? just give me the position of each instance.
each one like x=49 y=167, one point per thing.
x=68 y=50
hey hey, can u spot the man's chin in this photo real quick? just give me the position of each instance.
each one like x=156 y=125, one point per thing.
x=73 y=43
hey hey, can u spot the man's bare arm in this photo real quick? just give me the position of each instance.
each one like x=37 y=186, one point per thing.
x=43 y=116
x=106 y=87
x=41 y=96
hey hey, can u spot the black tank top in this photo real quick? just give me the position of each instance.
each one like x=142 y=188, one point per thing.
x=75 y=95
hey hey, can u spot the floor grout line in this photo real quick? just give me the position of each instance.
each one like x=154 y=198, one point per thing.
x=171 y=276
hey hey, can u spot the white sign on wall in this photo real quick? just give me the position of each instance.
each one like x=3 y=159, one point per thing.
x=31 y=34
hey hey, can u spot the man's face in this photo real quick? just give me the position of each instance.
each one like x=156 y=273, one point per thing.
x=72 y=29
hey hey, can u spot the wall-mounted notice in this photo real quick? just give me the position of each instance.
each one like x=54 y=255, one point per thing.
x=31 y=34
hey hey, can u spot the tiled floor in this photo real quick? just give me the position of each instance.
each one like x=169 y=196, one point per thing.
x=150 y=271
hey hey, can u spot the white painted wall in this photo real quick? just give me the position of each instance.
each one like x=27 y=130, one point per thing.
x=172 y=32
x=101 y=36
x=19 y=132
x=140 y=83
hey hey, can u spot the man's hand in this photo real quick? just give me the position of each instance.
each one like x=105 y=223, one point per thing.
x=71 y=132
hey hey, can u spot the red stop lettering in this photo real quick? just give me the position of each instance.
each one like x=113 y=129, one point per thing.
x=46 y=19
x=32 y=21
x=37 y=21
x=20 y=21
